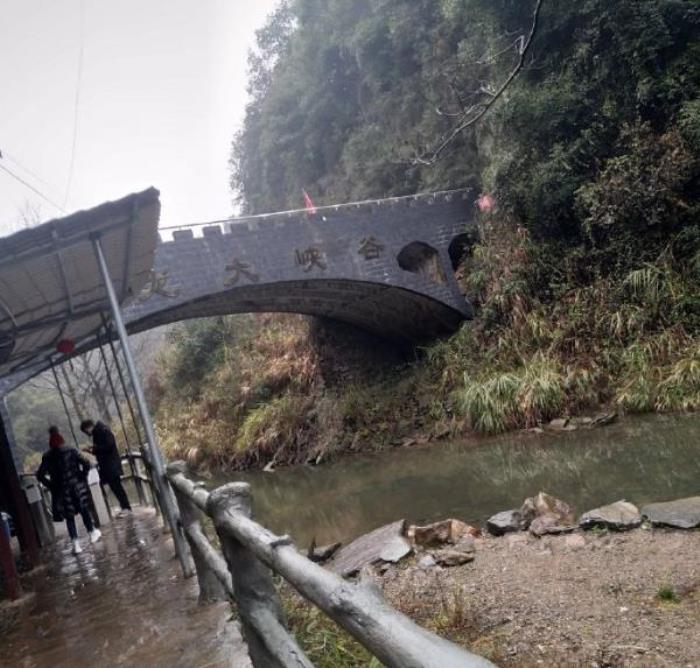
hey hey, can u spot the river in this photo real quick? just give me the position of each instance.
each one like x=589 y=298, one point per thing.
x=641 y=459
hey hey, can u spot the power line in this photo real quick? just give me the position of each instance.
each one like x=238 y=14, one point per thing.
x=24 y=168
x=76 y=104
x=32 y=188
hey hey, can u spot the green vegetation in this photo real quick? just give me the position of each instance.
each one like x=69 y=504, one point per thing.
x=586 y=276
x=668 y=594
x=326 y=644
x=323 y=641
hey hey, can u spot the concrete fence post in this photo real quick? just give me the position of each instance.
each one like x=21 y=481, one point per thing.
x=155 y=492
x=210 y=587
x=270 y=644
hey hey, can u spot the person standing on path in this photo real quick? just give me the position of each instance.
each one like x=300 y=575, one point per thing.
x=64 y=471
x=109 y=463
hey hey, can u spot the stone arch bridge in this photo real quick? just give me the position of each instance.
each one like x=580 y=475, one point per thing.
x=385 y=266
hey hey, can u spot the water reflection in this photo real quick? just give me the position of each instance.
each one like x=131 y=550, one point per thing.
x=641 y=459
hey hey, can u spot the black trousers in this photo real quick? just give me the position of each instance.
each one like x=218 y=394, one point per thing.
x=115 y=484
x=87 y=521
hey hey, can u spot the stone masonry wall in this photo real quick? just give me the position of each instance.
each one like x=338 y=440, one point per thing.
x=340 y=262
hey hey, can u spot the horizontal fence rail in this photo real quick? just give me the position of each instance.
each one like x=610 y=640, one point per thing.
x=243 y=573
x=140 y=472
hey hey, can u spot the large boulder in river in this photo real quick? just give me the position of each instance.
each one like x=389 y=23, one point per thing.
x=619 y=516
x=384 y=544
x=544 y=514
x=680 y=514
x=504 y=522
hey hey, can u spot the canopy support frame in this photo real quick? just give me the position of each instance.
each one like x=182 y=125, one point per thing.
x=129 y=453
x=65 y=405
x=164 y=492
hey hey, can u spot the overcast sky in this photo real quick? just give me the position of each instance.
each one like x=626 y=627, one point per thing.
x=162 y=91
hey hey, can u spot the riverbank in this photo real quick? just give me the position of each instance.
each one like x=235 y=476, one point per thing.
x=245 y=393
x=598 y=597
x=585 y=599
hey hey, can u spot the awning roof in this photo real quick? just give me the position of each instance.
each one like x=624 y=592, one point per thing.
x=50 y=285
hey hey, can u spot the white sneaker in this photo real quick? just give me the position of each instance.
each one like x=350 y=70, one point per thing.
x=95 y=535
x=76 y=547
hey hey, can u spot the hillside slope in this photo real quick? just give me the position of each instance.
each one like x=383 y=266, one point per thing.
x=587 y=274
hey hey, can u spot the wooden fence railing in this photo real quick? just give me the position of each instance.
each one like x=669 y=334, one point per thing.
x=243 y=573
x=138 y=471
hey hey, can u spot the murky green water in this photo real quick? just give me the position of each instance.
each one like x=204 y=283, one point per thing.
x=641 y=459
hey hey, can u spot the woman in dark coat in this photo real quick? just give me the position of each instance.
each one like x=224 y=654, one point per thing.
x=64 y=471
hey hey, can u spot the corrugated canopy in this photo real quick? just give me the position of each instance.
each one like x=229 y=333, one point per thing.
x=50 y=284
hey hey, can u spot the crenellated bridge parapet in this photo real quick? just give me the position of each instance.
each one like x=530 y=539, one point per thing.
x=386 y=266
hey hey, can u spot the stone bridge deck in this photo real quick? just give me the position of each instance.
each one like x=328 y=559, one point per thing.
x=385 y=266
x=122 y=602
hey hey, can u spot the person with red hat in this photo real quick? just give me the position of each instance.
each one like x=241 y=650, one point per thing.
x=64 y=471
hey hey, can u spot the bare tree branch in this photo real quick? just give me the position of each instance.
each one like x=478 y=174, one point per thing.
x=477 y=111
x=489 y=60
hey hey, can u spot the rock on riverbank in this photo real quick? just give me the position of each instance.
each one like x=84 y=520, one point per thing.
x=543 y=590
x=680 y=514
x=619 y=516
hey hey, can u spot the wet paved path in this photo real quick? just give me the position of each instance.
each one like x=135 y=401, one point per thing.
x=122 y=602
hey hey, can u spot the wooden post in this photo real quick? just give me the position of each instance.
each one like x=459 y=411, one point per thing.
x=393 y=638
x=105 y=498
x=270 y=644
x=197 y=496
x=8 y=566
x=210 y=588
x=151 y=485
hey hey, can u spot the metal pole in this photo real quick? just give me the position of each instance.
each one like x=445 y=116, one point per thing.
x=114 y=395
x=65 y=405
x=125 y=390
x=168 y=503
x=121 y=379
x=129 y=456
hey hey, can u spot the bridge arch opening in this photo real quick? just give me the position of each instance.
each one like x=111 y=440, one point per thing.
x=422 y=259
x=459 y=248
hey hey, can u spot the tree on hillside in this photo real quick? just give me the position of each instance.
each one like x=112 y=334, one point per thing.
x=345 y=95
